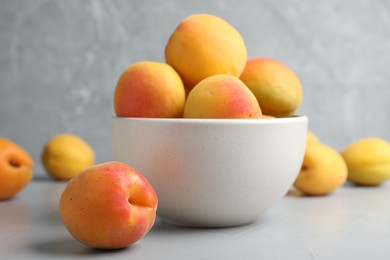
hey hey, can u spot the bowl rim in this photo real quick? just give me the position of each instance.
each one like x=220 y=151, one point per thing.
x=281 y=120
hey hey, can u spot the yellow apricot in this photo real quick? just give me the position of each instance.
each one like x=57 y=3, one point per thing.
x=323 y=170
x=311 y=138
x=276 y=87
x=65 y=155
x=368 y=161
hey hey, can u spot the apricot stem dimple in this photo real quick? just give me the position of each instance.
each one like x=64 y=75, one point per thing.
x=135 y=202
x=14 y=163
x=132 y=201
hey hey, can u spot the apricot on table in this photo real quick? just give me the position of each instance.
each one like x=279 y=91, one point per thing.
x=311 y=138
x=323 y=170
x=108 y=206
x=16 y=168
x=64 y=155
x=368 y=161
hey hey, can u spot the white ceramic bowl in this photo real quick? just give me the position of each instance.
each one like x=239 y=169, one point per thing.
x=213 y=172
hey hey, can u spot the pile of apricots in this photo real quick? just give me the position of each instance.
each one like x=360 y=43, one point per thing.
x=207 y=74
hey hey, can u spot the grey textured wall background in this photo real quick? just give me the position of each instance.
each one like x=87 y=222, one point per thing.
x=60 y=60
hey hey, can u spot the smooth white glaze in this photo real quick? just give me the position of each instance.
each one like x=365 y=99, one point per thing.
x=213 y=173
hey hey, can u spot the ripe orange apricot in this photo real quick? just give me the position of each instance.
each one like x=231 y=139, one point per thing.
x=204 y=45
x=16 y=167
x=221 y=96
x=108 y=206
x=149 y=89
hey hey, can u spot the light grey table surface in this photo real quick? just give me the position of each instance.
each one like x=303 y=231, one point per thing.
x=352 y=223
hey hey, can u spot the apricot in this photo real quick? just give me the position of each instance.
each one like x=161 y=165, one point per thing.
x=221 y=96
x=267 y=116
x=323 y=170
x=149 y=89
x=16 y=166
x=368 y=161
x=203 y=45
x=65 y=155
x=276 y=87
x=108 y=206
x=311 y=138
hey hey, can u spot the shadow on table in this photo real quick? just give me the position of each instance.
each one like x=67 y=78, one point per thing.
x=71 y=248
x=162 y=228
